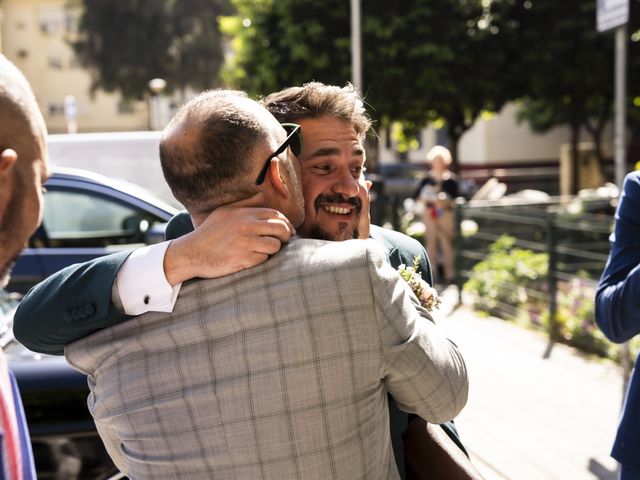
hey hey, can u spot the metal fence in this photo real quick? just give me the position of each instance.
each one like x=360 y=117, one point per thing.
x=573 y=233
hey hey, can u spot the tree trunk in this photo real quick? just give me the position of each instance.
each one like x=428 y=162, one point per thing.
x=575 y=163
x=454 y=141
x=595 y=131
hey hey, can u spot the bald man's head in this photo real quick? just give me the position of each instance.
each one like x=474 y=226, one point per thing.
x=20 y=117
x=23 y=165
x=214 y=148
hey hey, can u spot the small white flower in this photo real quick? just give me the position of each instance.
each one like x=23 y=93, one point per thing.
x=427 y=295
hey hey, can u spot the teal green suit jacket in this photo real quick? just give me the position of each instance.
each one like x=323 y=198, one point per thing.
x=76 y=301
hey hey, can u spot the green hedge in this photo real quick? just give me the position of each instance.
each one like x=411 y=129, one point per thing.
x=511 y=283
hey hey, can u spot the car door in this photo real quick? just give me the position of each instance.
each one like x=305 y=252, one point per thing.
x=84 y=219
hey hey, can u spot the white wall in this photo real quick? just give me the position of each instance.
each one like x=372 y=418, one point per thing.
x=132 y=156
x=499 y=140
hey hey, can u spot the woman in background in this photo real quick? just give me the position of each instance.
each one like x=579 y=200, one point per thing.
x=437 y=192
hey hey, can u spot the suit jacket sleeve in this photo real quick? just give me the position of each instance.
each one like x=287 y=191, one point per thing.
x=69 y=305
x=618 y=294
x=76 y=301
x=423 y=371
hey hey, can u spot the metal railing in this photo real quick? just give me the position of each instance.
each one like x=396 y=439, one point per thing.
x=573 y=234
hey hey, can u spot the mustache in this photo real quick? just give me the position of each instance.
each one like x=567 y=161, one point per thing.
x=337 y=198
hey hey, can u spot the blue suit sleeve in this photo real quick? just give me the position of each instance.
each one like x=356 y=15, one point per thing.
x=69 y=305
x=618 y=294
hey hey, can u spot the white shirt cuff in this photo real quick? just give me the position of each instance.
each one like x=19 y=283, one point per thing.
x=142 y=284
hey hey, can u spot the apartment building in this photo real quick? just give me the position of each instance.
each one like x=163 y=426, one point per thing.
x=36 y=36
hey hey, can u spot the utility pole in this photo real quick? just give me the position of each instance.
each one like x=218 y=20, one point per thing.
x=356 y=46
x=614 y=14
x=620 y=105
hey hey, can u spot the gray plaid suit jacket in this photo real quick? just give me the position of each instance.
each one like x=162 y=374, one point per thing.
x=277 y=372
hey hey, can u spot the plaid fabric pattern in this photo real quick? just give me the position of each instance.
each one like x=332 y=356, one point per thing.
x=277 y=372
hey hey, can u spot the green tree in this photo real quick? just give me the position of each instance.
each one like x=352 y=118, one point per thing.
x=126 y=44
x=569 y=66
x=423 y=60
x=447 y=60
x=288 y=42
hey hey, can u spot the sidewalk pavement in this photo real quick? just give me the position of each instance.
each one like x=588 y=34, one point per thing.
x=535 y=411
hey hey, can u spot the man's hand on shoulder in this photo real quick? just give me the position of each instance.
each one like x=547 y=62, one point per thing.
x=234 y=237
x=365 y=214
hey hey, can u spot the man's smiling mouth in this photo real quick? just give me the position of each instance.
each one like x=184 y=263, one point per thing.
x=338 y=210
x=335 y=204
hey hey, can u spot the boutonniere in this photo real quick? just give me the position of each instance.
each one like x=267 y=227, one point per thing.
x=427 y=295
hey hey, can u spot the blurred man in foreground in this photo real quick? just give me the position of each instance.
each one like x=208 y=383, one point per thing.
x=23 y=171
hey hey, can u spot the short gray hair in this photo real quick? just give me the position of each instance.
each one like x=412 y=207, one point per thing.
x=214 y=168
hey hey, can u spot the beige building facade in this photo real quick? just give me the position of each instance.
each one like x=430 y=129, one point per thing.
x=36 y=36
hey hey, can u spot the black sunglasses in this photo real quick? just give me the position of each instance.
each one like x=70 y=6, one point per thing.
x=293 y=141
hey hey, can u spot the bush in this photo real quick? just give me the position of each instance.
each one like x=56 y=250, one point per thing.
x=575 y=317
x=507 y=278
x=511 y=283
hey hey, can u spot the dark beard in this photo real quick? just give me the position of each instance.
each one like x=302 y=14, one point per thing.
x=320 y=234
x=12 y=218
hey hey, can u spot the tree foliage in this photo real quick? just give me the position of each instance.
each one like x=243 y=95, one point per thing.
x=125 y=44
x=288 y=42
x=423 y=60
x=570 y=69
x=420 y=64
x=449 y=66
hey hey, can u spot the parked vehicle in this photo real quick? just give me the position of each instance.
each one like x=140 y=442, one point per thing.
x=87 y=215
x=132 y=156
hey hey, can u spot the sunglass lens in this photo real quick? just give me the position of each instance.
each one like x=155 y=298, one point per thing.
x=296 y=144
x=296 y=141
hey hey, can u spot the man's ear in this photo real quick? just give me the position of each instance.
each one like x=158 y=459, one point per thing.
x=8 y=158
x=275 y=178
x=369 y=184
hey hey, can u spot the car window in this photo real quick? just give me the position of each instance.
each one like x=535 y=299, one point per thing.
x=75 y=219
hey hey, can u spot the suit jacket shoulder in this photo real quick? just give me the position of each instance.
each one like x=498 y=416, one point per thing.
x=618 y=312
x=179 y=225
x=401 y=248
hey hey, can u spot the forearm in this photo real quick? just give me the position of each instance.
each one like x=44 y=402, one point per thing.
x=69 y=305
x=617 y=306
x=417 y=356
